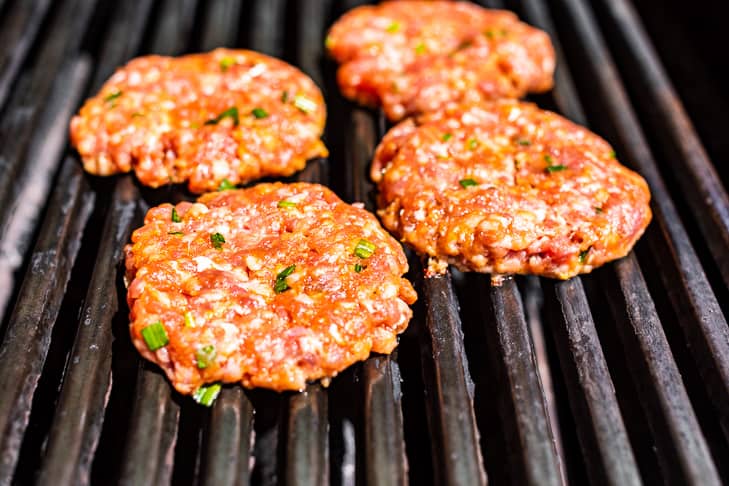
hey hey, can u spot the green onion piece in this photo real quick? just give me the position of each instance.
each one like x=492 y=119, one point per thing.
x=447 y=137
x=206 y=394
x=489 y=34
x=231 y=113
x=328 y=42
x=364 y=249
x=113 y=96
x=304 y=104
x=205 y=356
x=548 y=159
x=175 y=216
x=393 y=27
x=217 y=240
x=226 y=185
x=284 y=97
x=189 y=319
x=358 y=267
x=226 y=62
x=583 y=255
x=472 y=144
x=420 y=48
x=176 y=233
x=155 y=336
x=259 y=113
x=286 y=204
x=556 y=168
x=523 y=142
x=613 y=154
x=280 y=285
x=467 y=183
x=598 y=210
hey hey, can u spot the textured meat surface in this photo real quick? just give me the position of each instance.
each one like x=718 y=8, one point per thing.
x=417 y=56
x=505 y=188
x=330 y=311
x=202 y=118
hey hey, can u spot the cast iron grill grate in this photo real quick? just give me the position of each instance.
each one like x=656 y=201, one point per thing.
x=619 y=377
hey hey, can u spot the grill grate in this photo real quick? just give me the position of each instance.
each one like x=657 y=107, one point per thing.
x=628 y=385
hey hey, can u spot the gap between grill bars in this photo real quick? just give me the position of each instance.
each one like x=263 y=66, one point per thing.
x=620 y=377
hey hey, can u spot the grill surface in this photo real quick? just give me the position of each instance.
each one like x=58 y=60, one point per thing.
x=620 y=377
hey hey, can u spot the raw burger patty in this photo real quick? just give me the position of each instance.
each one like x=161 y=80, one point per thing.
x=229 y=115
x=416 y=56
x=504 y=188
x=270 y=286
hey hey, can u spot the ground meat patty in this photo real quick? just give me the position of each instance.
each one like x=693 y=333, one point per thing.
x=414 y=57
x=227 y=115
x=505 y=188
x=269 y=286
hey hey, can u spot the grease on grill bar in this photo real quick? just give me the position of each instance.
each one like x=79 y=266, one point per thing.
x=641 y=380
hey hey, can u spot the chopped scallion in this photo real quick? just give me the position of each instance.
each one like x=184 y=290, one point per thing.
x=176 y=233
x=175 y=217
x=364 y=248
x=472 y=144
x=447 y=137
x=259 y=113
x=467 y=183
x=205 y=356
x=304 y=104
x=358 y=267
x=420 y=48
x=226 y=63
x=280 y=285
x=286 y=204
x=113 y=96
x=189 y=319
x=556 y=168
x=583 y=255
x=284 y=97
x=393 y=27
x=226 y=185
x=613 y=154
x=155 y=336
x=231 y=113
x=206 y=394
x=523 y=142
x=598 y=210
x=217 y=240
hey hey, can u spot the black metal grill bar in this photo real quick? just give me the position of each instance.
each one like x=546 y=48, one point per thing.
x=456 y=454
x=228 y=447
x=35 y=156
x=28 y=336
x=267 y=36
x=385 y=459
x=681 y=447
x=531 y=438
x=307 y=442
x=601 y=431
x=28 y=103
x=174 y=27
x=702 y=321
x=221 y=24
x=150 y=445
x=701 y=184
x=87 y=381
x=19 y=29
